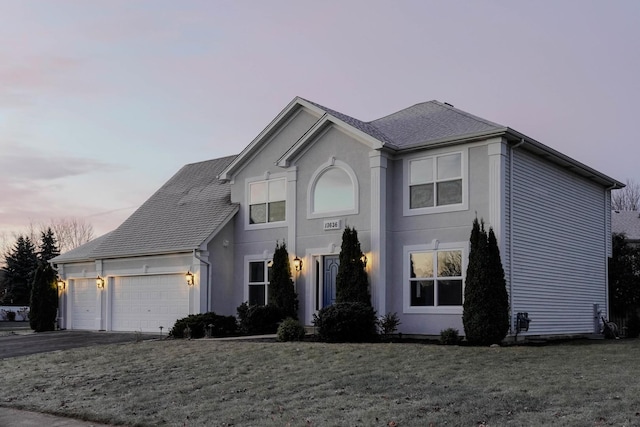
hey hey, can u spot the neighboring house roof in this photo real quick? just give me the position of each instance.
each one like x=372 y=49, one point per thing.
x=180 y=216
x=627 y=222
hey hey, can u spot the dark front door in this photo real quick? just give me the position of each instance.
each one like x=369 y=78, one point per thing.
x=331 y=264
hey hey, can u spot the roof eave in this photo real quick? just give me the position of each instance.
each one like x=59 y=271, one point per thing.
x=564 y=160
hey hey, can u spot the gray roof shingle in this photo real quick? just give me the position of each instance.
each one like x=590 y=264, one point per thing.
x=180 y=216
x=627 y=222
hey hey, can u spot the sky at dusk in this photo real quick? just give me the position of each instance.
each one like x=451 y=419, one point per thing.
x=101 y=102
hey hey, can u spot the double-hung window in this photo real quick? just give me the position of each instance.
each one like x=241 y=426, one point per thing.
x=259 y=277
x=435 y=278
x=267 y=201
x=436 y=181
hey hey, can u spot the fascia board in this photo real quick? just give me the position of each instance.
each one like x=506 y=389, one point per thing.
x=297 y=102
x=326 y=120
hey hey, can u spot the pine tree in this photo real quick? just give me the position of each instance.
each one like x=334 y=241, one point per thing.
x=352 y=284
x=486 y=304
x=48 y=246
x=21 y=264
x=282 y=292
x=44 y=299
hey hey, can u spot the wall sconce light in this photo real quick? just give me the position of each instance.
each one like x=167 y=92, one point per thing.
x=297 y=263
x=100 y=282
x=189 y=278
x=363 y=258
x=270 y=263
x=61 y=285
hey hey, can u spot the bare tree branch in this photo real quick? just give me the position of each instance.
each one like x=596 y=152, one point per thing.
x=628 y=198
x=71 y=233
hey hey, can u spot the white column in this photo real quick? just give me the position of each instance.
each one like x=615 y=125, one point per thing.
x=377 y=262
x=497 y=198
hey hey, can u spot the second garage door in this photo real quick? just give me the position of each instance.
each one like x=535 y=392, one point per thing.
x=144 y=303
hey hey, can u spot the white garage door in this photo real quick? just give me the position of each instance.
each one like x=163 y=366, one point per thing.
x=144 y=303
x=84 y=304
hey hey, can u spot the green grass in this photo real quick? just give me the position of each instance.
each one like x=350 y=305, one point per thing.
x=222 y=383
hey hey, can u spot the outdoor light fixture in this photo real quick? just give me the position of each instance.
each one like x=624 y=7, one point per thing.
x=270 y=263
x=61 y=285
x=100 y=282
x=297 y=263
x=363 y=258
x=189 y=278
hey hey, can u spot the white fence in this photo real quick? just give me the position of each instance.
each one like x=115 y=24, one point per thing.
x=22 y=313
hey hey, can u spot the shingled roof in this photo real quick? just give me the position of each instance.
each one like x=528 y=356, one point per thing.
x=179 y=217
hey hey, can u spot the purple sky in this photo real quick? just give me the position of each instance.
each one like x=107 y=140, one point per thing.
x=101 y=102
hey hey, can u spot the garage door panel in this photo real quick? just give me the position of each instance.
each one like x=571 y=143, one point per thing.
x=144 y=303
x=83 y=304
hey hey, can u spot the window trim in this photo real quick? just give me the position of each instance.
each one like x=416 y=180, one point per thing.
x=332 y=163
x=247 y=197
x=265 y=257
x=434 y=246
x=464 y=205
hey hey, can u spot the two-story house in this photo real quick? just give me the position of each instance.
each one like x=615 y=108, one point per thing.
x=410 y=183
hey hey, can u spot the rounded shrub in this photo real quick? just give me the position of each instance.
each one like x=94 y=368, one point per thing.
x=449 y=336
x=347 y=322
x=291 y=330
x=259 y=319
x=196 y=325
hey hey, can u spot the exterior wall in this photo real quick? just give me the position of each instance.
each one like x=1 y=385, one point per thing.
x=444 y=227
x=559 y=246
x=223 y=296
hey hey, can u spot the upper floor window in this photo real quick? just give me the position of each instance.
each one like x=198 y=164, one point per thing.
x=436 y=181
x=267 y=201
x=333 y=192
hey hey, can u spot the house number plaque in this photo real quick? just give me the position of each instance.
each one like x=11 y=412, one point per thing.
x=333 y=224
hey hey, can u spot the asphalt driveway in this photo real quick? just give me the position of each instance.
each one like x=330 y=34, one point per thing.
x=15 y=345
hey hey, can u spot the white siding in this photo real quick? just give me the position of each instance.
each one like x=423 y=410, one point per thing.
x=559 y=246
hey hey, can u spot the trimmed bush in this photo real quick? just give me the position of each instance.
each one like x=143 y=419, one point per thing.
x=633 y=325
x=352 y=284
x=291 y=330
x=346 y=322
x=222 y=326
x=259 y=319
x=282 y=293
x=449 y=336
x=11 y=316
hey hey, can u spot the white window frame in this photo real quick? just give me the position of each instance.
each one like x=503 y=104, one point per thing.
x=266 y=178
x=332 y=163
x=265 y=258
x=435 y=247
x=464 y=205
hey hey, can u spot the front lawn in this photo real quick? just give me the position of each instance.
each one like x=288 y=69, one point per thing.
x=223 y=383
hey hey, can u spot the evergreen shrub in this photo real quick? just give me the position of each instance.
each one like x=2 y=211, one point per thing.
x=347 y=322
x=259 y=319
x=222 y=326
x=633 y=325
x=44 y=299
x=291 y=330
x=449 y=336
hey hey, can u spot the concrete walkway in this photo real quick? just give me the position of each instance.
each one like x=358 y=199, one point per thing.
x=16 y=418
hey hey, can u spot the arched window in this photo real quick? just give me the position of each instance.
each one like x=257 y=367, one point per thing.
x=333 y=190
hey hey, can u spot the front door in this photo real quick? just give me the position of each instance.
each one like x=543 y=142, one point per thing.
x=331 y=264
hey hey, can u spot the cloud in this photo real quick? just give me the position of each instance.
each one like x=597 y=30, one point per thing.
x=38 y=167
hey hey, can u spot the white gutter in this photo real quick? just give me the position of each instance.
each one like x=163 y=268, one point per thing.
x=196 y=256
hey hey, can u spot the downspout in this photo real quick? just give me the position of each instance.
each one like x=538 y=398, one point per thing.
x=196 y=256
x=606 y=243
x=511 y=193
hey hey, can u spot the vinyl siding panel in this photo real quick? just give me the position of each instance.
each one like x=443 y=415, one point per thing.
x=559 y=246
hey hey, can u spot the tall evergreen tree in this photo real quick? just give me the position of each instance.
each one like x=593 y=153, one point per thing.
x=21 y=264
x=48 y=246
x=485 y=313
x=352 y=284
x=282 y=292
x=624 y=276
x=44 y=299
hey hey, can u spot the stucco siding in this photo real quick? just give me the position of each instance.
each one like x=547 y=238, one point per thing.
x=559 y=246
x=224 y=297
